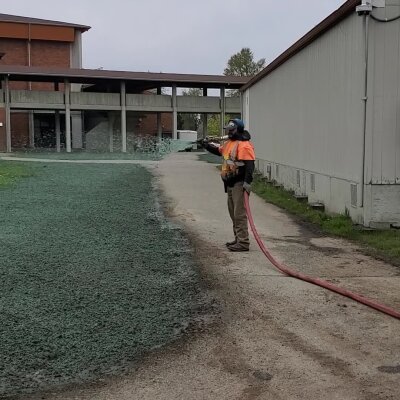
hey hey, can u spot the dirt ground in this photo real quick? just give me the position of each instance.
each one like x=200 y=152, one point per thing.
x=275 y=337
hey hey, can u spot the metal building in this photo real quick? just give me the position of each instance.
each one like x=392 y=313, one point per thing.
x=325 y=115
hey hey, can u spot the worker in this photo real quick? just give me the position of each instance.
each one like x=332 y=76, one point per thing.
x=237 y=174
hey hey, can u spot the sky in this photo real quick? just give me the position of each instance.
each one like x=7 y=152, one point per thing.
x=180 y=36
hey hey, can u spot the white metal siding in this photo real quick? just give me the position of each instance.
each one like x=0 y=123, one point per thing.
x=307 y=120
x=246 y=109
x=383 y=128
x=382 y=205
x=308 y=113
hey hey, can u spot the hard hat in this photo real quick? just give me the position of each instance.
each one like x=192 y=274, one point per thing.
x=234 y=124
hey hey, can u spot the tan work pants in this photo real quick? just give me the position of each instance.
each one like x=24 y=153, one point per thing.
x=238 y=214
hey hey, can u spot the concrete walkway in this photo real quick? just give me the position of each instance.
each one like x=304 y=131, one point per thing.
x=276 y=337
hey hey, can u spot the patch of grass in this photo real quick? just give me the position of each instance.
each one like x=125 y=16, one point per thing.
x=339 y=225
x=12 y=171
x=384 y=244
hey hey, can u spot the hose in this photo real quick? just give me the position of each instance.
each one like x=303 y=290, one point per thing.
x=316 y=281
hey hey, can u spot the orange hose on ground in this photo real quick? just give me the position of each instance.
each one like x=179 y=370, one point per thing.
x=316 y=281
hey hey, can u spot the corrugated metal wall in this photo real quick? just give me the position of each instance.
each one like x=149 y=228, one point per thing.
x=382 y=170
x=308 y=114
x=307 y=119
x=384 y=98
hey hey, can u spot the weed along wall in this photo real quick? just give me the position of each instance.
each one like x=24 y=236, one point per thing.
x=92 y=275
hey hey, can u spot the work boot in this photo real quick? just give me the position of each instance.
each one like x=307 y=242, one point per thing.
x=237 y=247
x=227 y=244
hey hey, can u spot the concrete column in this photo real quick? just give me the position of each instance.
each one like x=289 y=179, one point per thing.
x=111 y=119
x=58 y=130
x=222 y=118
x=8 y=115
x=175 y=114
x=159 y=123
x=159 y=126
x=57 y=123
x=31 y=130
x=123 y=116
x=204 y=117
x=76 y=127
x=67 y=94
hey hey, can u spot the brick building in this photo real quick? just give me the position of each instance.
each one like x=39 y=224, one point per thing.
x=39 y=43
x=42 y=43
x=49 y=101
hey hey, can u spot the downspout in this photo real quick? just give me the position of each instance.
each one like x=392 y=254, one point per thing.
x=365 y=99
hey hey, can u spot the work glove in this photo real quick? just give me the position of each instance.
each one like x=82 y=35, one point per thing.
x=203 y=142
x=247 y=187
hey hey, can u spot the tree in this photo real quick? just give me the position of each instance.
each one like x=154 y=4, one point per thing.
x=214 y=123
x=243 y=64
x=192 y=92
x=154 y=91
x=190 y=121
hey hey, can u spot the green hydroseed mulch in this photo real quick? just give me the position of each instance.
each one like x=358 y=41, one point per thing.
x=153 y=151
x=85 y=155
x=210 y=158
x=91 y=275
x=12 y=172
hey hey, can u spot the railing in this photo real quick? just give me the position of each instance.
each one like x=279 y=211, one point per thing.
x=146 y=101
x=36 y=99
x=198 y=104
x=95 y=99
x=233 y=105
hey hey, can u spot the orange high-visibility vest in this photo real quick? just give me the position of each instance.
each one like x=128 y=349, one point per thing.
x=234 y=152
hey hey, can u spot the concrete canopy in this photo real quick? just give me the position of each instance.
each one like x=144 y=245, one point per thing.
x=134 y=80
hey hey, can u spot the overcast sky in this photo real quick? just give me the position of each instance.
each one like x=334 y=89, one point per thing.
x=183 y=36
